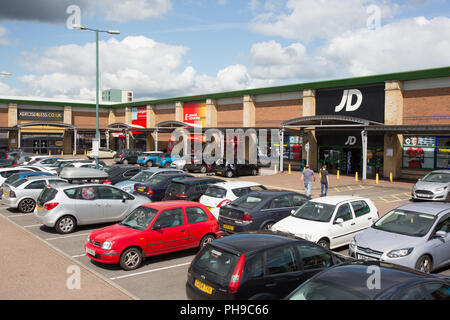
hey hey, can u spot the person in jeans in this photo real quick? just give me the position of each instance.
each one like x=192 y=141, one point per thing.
x=324 y=181
x=308 y=177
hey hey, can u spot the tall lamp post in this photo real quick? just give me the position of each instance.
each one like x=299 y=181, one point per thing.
x=97 y=31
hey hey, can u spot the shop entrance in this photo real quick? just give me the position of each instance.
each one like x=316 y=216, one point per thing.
x=42 y=144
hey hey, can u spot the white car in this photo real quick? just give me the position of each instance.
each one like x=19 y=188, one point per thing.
x=6 y=172
x=331 y=221
x=178 y=164
x=223 y=193
x=103 y=153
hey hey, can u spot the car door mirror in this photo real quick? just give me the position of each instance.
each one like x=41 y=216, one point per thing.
x=124 y=199
x=441 y=234
x=156 y=227
x=292 y=211
x=339 y=221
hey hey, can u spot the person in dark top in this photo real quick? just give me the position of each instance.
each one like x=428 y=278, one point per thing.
x=324 y=181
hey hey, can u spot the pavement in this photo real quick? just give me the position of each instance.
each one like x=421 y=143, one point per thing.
x=32 y=269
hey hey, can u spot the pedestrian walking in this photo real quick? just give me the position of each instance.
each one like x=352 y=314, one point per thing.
x=323 y=181
x=308 y=177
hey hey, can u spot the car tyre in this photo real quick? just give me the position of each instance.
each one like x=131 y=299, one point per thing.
x=66 y=224
x=324 y=243
x=26 y=205
x=229 y=174
x=149 y=163
x=424 y=264
x=203 y=169
x=125 y=161
x=131 y=259
x=205 y=240
x=254 y=172
x=268 y=226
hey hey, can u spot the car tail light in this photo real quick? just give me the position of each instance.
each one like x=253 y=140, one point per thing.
x=223 y=203
x=14 y=164
x=237 y=274
x=50 y=206
x=121 y=155
x=163 y=159
x=247 y=217
x=181 y=195
x=149 y=191
x=12 y=194
x=106 y=181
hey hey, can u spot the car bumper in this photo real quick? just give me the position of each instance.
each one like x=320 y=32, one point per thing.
x=230 y=227
x=429 y=195
x=363 y=254
x=47 y=219
x=10 y=202
x=101 y=255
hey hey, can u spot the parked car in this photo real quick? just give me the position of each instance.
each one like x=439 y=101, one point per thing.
x=35 y=158
x=201 y=167
x=127 y=156
x=148 y=158
x=5 y=173
x=349 y=281
x=415 y=235
x=153 y=229
x=79 y=164
x=178 y=164
x=156 y=187
x=60 y=163
x=45 y=162
x=330 y=221
x=165 y=160
x=17 y=176
x=142 y=177
x=235 y=169
x=434 y=186
x=189 y=188
x=103 y=153
x=24 y=158
x=255 y=266
x=223 y=193
x=121 y=172
x=23 y=193
x=66 y=207
x=259 y=210
x=7 y=163
x=84 y=175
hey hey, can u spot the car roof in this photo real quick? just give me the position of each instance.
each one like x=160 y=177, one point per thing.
x=161 y=205
x=334 y=200
x=432 y=208
x=441 y=171
x=252 y=242
x=272 y=192
x=82 y=173
x=236 y=184
x=192 y=180
x=40 y=177
x=355 y=275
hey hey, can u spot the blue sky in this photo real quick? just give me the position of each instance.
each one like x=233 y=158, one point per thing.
x=173 y=48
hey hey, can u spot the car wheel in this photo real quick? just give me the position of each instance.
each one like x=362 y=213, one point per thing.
x=167 y=165
x=66 y=224
x=206 y=239
x=203 y=169
x=254 y=172
x=424 y=264
x=131 y=259
x=324 y=243
x=149 y=163
x=26 y=205
x=125 y=161
x=229 y=174
x=268 y=226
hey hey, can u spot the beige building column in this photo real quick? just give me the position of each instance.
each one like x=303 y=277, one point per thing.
x=179 y=111
x=68 y=135
x=393 y=115
x=211 y=113
x=12 y=121
x=309 y=109
x=151 y=123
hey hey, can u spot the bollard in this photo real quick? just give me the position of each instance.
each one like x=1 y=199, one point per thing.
x=37 y=153
x=62 y=153
x=356 y=176
x=50 y=153
x=320 y=175
x=74 y=153
x=289 y=170
x=275 y=169
x=337 y=177
x=391 y=179
x=377 y=178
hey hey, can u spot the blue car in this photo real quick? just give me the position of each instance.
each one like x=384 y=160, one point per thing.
x=149 y=159
x=165 y=160
x=142 y=177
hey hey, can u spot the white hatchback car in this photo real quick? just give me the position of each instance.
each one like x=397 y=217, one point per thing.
x=221 y=194
x=330 y=221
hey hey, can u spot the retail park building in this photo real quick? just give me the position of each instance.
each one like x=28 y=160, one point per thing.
x=400 y=122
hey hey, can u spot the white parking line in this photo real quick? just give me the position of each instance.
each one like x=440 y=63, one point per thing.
x=148 y=271
x=78 y=256
x=33 y=225
x=71 y=236
x=20 y=215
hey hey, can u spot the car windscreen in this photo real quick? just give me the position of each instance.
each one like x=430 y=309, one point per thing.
x=140 y=218
x=46 y=195
x=142 y=176
x=155 y=180
x=437 y=177
x=247 y=202
x=215 y=192
x=215 y=262
x=18 y=182
x=324 y=290
x=408 y=223
x=315 y=211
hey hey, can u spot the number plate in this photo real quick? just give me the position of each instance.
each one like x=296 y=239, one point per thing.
x=203 y=287
x=39 y=207
x=141 y=189
x=227 y=226
x=366 y=258
x=90 y=251
x=219 y=172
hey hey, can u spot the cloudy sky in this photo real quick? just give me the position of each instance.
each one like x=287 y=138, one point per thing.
x=169 y=48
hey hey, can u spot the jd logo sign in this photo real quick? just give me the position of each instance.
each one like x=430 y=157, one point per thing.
x=351 y=140
x=347 y=99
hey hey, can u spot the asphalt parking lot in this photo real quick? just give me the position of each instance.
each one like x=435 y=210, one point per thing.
x=163 y=277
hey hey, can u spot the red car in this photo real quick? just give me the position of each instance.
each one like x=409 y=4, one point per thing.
x=152 y=229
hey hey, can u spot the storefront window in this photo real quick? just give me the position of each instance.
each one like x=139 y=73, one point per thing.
x=426 y=152
x=443 y=152
x=292 y=148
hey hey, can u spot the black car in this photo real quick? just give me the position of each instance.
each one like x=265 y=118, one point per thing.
x=235 y=169
x=262 y=265
x=189 y=189
x=121 y=172
x=127 y=156
x=6 y=163
x=373 y=280
x=259 y=210
x=201 y=167
x=156 y=187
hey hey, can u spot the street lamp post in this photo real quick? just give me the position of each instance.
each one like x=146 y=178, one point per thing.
x=97 y=31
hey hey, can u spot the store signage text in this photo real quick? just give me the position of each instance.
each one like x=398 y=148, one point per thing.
x=347 y=98
x=48 y=115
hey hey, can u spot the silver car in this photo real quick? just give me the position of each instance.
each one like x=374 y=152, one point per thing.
x=415 y=235
x=66 y=207
x=434 y=186
x=23 y=193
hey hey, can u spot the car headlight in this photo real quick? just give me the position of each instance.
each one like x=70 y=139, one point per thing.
x=352 y=244
x=88 y=239
x=107 y=245
x=305 y=236
x=399 y=253
x=440 y=189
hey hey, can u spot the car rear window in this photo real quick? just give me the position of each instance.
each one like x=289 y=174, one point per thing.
x=18 y=182
x=46 y=195
x=247 y=202
x=215 y=192
x=175 y=187
x=215 y=262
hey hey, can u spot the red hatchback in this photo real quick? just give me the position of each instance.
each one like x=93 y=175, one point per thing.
x=153 y=229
